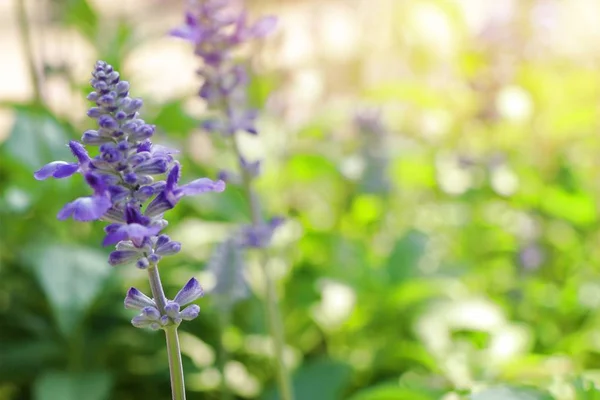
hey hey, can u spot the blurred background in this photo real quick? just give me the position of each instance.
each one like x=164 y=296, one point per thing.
x=436 y=159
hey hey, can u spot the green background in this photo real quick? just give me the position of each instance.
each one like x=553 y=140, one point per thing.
x=454 y=256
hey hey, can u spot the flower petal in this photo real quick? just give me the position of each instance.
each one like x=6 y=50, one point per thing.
x=173 y=177
x=86 y=208
x=172 y=309
x=135 y=232
x=200 y=186
x=118 y=257
x=55 y=168
x=168 y=249
x=141 y=321
x=160 y=204
x=151 y=313
x=79 y=151
x=264 y=26
x=190 y=292
x=190 y=312
x=136 y=300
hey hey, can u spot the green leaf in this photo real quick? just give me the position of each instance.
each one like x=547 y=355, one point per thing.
x=26 y=358
x=79 y=14
x=578 y=208
x=394 y=392
x=404 y=259
x=310 y=167
x=70 y=386
x=511 y=393
x=37 y=137
x=71 y=278
x=585 y=390
x=323 y=379
x=173 y=119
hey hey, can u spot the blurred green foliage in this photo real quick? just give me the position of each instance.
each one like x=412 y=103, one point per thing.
x=458 y=262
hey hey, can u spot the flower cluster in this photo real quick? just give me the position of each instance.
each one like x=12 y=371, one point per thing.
x=150 y=315
x=125 y=175
x=217 y=28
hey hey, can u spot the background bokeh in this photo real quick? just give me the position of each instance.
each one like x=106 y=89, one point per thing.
x=453 y=248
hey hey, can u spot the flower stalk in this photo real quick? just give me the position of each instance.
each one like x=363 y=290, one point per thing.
x=273 y=313
x=27 y=44
x=128 y=193
x=173 y=351
x=216 y=29
x=175 y=364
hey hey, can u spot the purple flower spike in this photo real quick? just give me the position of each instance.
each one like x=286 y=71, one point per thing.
x=127 y=175
x=190 y=292
x=136 y=300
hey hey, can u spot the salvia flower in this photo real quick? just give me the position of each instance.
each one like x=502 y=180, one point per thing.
x=259 y=235
x=127 y=177
x=125 y=174
x=217 y=28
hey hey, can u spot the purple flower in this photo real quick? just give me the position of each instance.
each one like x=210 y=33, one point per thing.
x=124 y=174
x=216 y=28
x=260 y=29
x=56 y=169
x=118 y=257
x=63 y=169
x=134 y=232
x=190 y=292
x=259 y=236
x=137 y=300
x=88 y=208
x=137 y=228
x=172 y=193
x=151 y=317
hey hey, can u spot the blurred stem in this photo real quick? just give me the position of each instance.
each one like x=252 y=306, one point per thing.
x=173 y=350
x=223 y=355
x=273 y=312
x=25 y=31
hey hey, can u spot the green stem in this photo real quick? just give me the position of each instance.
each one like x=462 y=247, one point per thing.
x=223 y=356
x=273 y=312
x=175 y=364
x=173 y=351
x=24 y=29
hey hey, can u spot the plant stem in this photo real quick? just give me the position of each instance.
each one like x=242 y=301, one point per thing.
x=223 y=356
x=24 y=29
x=175 y=364
x=273 y=312
x=173 y=351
